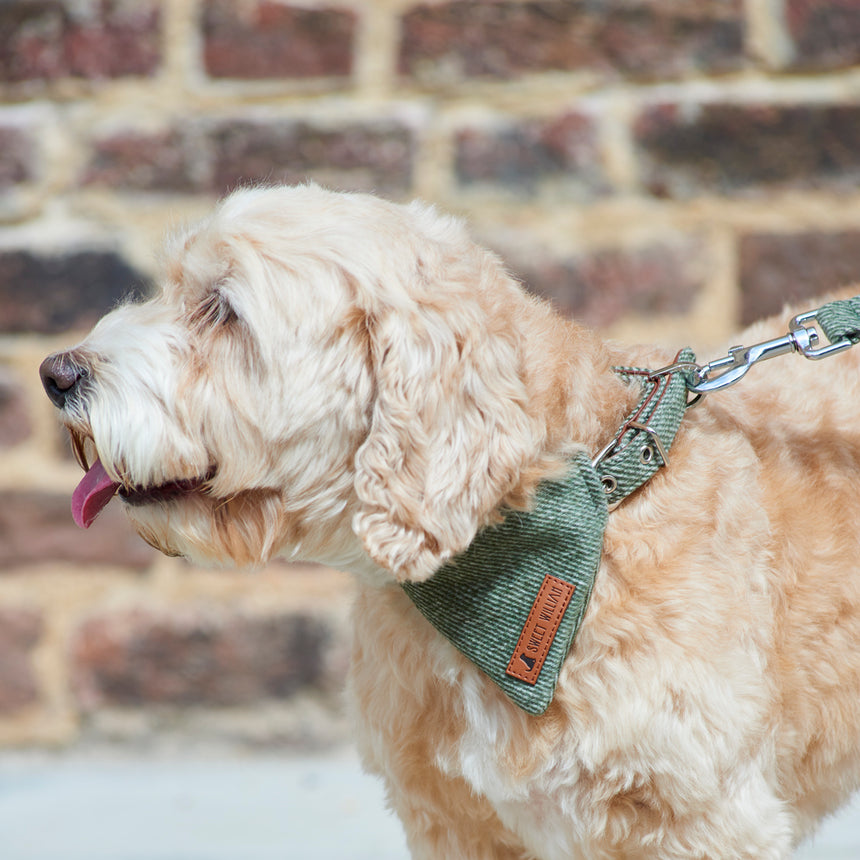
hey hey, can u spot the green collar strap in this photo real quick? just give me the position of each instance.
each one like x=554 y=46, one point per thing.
x=641 y=446
x=514 y=600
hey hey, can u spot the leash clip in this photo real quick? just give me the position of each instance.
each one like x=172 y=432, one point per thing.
x=811 y=350
x=734 y=366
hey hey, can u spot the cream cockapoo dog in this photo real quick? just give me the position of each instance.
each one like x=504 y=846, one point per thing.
x=337 y=378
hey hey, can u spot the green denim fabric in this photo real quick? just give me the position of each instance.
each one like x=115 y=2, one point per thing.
x=481 y=600
x=624 y=468
x=841 y=320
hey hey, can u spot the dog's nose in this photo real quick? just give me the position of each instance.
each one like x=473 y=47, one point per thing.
x=61 y=375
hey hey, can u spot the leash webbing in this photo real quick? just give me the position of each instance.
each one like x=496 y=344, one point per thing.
x=840 y=320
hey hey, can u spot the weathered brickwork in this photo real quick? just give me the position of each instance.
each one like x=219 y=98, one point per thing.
x=365 y=157
x=53 y=293
x=215 y=157
x=658 y=169
x=778 y=268
x=714 y=149
x=51 y=39
x=166 y=161
x=604 y=286
x=15 y=157
x=15 y=420
x=520 y=155
x=20 y=630
x=272 y=40
x=505 y=39
x=825 y=35
x=35 y=528
x=139 y=658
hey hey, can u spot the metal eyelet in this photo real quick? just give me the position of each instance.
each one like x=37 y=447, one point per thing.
x=646 y=455
x=610 y=485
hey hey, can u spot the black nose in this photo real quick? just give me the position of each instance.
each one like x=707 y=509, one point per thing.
x=61 y=375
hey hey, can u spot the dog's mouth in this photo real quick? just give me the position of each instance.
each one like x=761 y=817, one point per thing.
x=97 y=488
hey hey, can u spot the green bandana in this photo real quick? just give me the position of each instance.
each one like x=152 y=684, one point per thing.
x=514 y=600
x=481 y=601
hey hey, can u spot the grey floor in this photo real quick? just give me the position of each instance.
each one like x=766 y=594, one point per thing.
x=86 y=808
x=323 y=808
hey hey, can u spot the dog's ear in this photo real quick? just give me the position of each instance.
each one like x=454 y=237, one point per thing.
x=451 y=429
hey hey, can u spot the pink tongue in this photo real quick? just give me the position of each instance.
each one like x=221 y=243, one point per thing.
x=95 y=490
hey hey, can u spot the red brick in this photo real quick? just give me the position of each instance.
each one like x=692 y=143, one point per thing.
x=518 y=155
x=16 y=149
x=217 y=157
x=49 y=39
x=36 y=528
x=712 y=149
x=167 y=161
x=356 y=157
x=826 y=34
x=603 y=286
x=15 y=423
x=48 y=294
x=272 y=40
x=140 y=658
x=20 y=630
x=780 y=268
x=473 y=38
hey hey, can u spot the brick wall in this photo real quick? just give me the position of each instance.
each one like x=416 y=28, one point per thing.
x=659 y=169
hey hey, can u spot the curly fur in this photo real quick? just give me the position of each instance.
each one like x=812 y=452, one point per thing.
x=361 y=385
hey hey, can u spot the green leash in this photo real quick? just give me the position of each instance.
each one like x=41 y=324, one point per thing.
x=514 y=600
x=840 y=321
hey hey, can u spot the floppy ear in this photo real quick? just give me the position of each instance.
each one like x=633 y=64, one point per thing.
x=451 y=431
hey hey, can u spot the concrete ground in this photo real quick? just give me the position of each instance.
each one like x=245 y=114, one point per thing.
x=98 y=808
x=89 y=807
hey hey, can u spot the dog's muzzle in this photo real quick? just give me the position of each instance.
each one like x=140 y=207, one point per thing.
x=62 y=375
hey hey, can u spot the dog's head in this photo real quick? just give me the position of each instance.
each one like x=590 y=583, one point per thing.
x=324 y=375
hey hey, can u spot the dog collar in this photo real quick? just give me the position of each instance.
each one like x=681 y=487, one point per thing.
x=513 y=602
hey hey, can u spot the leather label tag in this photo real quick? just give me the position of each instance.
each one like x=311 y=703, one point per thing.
x=540 y=628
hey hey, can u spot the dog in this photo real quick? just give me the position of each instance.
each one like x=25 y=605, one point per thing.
x=333 y=377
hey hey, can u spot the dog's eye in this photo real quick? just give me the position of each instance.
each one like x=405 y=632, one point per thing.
x=215 y=311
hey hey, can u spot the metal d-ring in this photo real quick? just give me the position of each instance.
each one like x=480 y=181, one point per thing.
x=655 y=446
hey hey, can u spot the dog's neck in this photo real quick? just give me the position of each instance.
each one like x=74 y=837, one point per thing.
x=572 y=385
